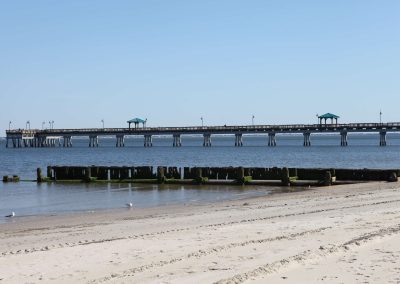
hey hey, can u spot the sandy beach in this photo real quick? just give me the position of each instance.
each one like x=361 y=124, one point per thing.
x=342 y=234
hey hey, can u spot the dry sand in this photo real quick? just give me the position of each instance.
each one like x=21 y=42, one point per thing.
x=343 y=234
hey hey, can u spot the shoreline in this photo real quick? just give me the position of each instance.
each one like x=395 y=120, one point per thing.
x=125 y=211
x=257 y=192
x=308 y=235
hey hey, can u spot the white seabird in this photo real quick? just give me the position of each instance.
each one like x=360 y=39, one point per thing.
x=130 y=205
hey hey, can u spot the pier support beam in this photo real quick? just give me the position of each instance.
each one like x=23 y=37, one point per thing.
x=271 y=139
x=7 y=142
x=382 y=136
x=207 y=140
x=343 y=142
x=177 y=140
x=67 y=141
x=307 y=140
x=148 y=141
x=120 y=141
x=93 y=141
x=42 y=141
x=238 y=140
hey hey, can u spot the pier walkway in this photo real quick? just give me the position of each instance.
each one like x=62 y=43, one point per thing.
x=18 y=138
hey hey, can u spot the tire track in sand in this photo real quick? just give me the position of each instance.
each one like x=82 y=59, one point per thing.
x=177 y=230
x=308 y=255
x=205 y=252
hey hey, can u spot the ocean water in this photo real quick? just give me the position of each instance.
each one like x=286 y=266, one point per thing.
x=27 y=198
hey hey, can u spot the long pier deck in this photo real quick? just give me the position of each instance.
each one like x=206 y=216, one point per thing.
x=18 y=138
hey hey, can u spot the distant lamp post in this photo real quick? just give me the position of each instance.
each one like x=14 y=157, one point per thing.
x=202 y=121
x=317 y=115
x=380 y=117
x=51 y=123
x=9 y=125
x=102 y=121
x=252 y=120
x=43 y=124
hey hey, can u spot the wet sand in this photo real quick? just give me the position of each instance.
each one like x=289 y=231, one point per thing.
x=342 y=234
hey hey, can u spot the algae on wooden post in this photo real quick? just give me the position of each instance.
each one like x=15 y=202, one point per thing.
x=49 y=172
x=161 y=174
x=327 y=179
x=240 y=175
x=88 y=174
x=39 y=177
x=199 y=176
x=285 y=177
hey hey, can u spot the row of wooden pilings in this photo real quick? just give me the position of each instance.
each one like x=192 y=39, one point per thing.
x=239 y=175
x=38 y=142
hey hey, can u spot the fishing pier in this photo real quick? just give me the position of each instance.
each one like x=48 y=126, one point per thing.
x=18 y=138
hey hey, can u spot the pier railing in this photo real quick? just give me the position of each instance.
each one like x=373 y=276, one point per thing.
x=216 y=129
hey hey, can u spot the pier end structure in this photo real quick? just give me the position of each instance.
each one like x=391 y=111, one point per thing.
x=18 y=138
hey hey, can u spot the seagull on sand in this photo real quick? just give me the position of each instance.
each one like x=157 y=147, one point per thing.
x=11 y=215
x=129 y=205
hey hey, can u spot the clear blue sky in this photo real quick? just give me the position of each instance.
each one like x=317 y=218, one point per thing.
x=77 y=62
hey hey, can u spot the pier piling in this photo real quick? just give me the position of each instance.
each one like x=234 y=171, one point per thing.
x=148 y=141
x=307 y=139
x=207 y=140
x=120 y=141
x=343 y=136
x=93 y=141
x=382 y=136
x=238 y=140
x=271 y=139
x=177 y=142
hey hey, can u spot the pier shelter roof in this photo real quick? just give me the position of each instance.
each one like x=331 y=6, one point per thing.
x=137 y=121
x=327 y=116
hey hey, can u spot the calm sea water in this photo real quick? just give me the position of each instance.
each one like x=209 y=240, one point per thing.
x=31 y=199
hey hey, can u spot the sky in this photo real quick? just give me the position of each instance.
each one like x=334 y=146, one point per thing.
x=173 y=62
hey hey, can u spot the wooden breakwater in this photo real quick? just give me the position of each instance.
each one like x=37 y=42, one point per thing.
x=216 y=175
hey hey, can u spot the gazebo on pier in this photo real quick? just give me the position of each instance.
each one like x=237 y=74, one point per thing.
x=327 y=116
x=137 y=122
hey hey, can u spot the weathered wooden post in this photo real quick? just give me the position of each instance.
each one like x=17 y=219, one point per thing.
x=88 y=174
x=49 y=173
x=39 y=177
x=293 y=173
x=240 y=175
x=285 y=177
x=199 y=175
x=327 y=178
x=333 y=176
x=393 y=177
x=161 y=174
